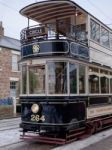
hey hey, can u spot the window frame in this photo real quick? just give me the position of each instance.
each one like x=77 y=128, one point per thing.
x=105 y=32
x=14 y=63
x=35 y=94
x=64 y=94
x=96 y=24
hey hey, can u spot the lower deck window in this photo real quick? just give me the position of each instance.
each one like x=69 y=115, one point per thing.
x=104 y=84
x=82 y=78
x=93 y=84
x=24 y=79
x=37 y=80
x=57 y=77
x=111 y=85
x=65 y=78
x=73 y=78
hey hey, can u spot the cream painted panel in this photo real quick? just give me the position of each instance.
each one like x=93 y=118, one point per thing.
x=100 y=57
x=99 y=111
x=99 y=48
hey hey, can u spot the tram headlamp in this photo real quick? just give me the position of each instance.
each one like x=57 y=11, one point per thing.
x=35 y=108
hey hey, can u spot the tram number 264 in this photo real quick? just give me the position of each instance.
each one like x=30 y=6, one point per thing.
x=37 y=118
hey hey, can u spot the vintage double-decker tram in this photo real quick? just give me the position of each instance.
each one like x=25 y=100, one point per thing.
x=66 y=80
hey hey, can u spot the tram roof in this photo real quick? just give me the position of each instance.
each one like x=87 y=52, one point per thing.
x=51 y=9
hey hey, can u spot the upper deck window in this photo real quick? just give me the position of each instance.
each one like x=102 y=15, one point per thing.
x=95 y=31
x=111 y=41
x=105 y=37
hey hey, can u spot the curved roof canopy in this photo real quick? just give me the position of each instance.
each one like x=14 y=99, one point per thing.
x=48 y=10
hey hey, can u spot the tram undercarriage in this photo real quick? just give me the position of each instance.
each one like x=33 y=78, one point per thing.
x=61 y=138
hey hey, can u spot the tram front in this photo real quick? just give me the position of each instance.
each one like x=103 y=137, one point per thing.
x=53 y=65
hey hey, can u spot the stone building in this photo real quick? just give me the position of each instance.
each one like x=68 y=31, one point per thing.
x=9 y=70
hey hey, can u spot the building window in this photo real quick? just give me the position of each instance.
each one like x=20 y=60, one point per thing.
x=37 y=79
x=82 y=77
x=13 y=88
x=73 y=78
x=57 y=77
x=14 y=62
x=95 y=31
x=104 y=37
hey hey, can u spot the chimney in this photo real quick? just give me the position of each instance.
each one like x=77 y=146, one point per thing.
x=1 y=29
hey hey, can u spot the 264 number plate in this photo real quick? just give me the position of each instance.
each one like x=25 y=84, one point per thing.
x=37 y=118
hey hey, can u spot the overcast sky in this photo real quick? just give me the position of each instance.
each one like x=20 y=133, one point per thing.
x=13 y=22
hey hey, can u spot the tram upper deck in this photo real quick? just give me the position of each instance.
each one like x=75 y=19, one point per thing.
x=65 y=22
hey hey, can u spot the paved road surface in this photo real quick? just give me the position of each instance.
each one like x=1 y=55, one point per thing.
x=105 y=144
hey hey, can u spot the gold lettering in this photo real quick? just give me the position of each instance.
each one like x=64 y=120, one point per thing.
x=37 y=118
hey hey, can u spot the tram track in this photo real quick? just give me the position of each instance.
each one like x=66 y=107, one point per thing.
x=3 y=121
x=9 y=124
x=4 y=129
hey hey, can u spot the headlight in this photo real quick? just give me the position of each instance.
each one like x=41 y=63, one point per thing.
x=35 y=108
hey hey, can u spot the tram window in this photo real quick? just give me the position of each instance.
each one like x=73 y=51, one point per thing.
x=104 y=37
x=104 y=71
x=82 y=83
x=95 y=31
x=24 y=79
x=104 y=81
x=92 y=69
x=111 y=85
x=93 y=84
x=57 y=77
x=73 y=78
x=111 y=41
x=37 y=80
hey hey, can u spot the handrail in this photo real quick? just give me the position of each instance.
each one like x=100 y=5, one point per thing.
x=57 y=30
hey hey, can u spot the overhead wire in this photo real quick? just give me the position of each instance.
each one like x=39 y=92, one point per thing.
x=101 y=11
x=10 y=7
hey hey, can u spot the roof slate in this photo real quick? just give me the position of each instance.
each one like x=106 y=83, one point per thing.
x=10 y=43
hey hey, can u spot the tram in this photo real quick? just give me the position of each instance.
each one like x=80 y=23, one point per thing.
x=66 y=75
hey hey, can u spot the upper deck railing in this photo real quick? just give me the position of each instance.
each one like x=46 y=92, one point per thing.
x=51 y=31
